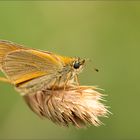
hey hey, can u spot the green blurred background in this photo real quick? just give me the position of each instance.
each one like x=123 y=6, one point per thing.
x=108 y=33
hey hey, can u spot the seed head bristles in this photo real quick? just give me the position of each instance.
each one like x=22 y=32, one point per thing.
x=81 y=105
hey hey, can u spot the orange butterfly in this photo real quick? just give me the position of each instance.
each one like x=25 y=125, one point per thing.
x=31 y=70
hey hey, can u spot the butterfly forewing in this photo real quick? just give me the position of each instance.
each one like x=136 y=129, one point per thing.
x=31 y=70
x=24 y=65
x=6 y=47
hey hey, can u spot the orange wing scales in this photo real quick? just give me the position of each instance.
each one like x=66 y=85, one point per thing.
x=6 y=47
x=29 y=76
x=23 y=65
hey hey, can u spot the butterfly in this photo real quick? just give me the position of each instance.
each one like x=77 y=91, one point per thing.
x=31 y=70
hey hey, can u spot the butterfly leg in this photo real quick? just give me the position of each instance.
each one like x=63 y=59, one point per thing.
x=76 y=80
x=78 y=83
x=56 y=83
x=67 y=80
x=65 y=84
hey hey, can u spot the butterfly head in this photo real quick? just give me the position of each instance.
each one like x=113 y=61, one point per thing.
x=71 y=67
x=78 y=64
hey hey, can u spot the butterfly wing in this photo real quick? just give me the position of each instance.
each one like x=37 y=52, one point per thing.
x=22 y=66
x=6 y=47
x=29 y=70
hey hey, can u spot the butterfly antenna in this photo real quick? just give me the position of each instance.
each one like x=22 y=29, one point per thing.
x=94 y=68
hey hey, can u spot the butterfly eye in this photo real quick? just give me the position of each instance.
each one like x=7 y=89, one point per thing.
x=76 y=65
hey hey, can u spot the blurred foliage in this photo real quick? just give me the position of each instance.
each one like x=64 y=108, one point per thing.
x=108 y=33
